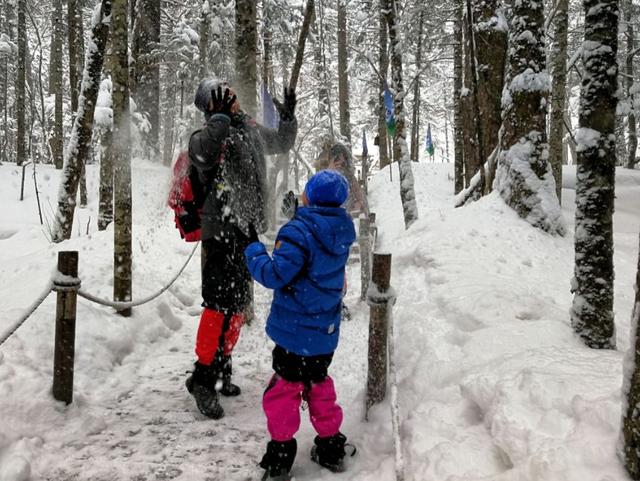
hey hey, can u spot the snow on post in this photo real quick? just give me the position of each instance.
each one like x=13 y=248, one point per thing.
x=524 y=178
x=592 y=309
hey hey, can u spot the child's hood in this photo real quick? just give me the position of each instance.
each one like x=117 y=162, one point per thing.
x=332 y=227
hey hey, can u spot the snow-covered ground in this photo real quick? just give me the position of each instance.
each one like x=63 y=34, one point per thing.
x=492 y=383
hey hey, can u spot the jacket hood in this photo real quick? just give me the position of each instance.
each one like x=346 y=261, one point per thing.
x=332 y=227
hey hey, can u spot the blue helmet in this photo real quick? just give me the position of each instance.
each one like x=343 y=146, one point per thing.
x=327 y=188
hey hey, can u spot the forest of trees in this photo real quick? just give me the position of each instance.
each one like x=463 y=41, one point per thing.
x=512 y=90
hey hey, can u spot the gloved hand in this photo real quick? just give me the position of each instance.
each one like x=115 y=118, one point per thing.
x=289 y=205
x=190 y=219
x=253 y=234
x=287 y=109
x=221 y=103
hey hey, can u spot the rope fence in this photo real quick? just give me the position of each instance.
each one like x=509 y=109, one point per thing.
x=66 y=284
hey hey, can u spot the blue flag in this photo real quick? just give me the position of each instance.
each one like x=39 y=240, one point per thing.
x=429 y=142
x=388 y=103
x=365 y=150
x=270 y=116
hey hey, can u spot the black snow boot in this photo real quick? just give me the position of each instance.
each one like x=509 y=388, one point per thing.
x=228 y=388
x=330 y=452
x=200 y=386
x=278 y=460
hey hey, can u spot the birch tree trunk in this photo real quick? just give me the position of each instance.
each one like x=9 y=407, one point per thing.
x=401 y=152
x=343 y=76
x=457 y=101
x=21 y=146
x=246 y=55
x=631 y=392
x=592 y=310
x=81 y=133
x=629 y=71
x=55 y=84
x=383 y=66
x=121 y=145
x=524 y=178
x=558 y=93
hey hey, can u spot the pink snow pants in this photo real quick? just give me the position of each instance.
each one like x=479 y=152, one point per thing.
x=281 y=404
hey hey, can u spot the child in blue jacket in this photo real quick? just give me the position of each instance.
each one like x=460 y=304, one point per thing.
x=307 y=273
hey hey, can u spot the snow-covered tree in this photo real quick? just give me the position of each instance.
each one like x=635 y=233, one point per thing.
x=81 y=134
x=592 y=310
x=400 y=148
x=524 y=178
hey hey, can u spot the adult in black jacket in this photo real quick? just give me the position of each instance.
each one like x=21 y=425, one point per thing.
x=228 y=154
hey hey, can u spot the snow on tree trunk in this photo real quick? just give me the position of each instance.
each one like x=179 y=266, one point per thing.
x=343 y=76
x=80 y=141
x=592 y=310
x=524 y=178
x=458 y=141
x=400 y=150
x=21 y=145
x=309 y=18
x=246 y=55
x=121 y=145
x=631 y=393
x=105 y=121
x=383 y=66
x=558 y=93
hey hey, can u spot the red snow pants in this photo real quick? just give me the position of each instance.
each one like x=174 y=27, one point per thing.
x=217 y=331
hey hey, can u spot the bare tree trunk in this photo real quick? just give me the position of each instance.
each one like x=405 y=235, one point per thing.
x=76 y=66
x=121 y=145
x=21 y=146
x=246 y=55
x=82 y=126
x=383 y=66
x=203 y=45
x=631 y=51
x=631 y=392
x=55 y=84
x=592 y=312
x=146 y=69
x=309 y=16
x=343 y=75
x=458 y=141
x=401 y=152
x=558 y=92
x=524 y=179
x=415 y=124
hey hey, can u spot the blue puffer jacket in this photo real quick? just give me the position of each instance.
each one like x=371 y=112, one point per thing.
x=306 y=271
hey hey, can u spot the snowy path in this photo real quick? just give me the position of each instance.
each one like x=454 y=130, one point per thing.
x=493 y=385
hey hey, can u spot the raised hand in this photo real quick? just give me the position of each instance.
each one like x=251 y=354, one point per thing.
x=221 y=103
x=288 y=107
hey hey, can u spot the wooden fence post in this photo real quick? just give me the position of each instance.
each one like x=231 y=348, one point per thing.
x=66 y=284
x=364 y=239
x=378 y=299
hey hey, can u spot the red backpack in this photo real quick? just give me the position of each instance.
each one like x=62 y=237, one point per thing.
x=186 y=198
